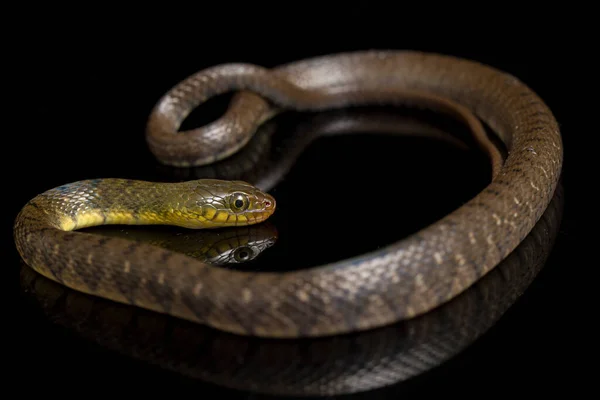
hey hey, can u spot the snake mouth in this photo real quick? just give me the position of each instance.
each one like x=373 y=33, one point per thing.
x=258 y=216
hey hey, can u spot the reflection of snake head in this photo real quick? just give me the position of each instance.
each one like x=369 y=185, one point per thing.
x=229 y=203
x=240 y=245
x=219 y=247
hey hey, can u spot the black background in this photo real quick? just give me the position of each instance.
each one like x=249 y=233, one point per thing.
x=91 y=81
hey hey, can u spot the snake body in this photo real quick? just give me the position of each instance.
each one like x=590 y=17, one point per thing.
x=318 y=367
x=403 y=280
x=314 y=367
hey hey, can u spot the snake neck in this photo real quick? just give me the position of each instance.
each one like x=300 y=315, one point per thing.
x=43 y=229
x=97 y=202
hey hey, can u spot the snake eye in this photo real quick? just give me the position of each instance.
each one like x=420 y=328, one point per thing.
x=242 y=254
x=239 y=202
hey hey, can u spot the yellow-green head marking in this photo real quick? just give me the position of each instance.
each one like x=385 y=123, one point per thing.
x=199 y=204
x=215 y=203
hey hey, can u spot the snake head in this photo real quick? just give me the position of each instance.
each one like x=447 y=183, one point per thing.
x=220 y=203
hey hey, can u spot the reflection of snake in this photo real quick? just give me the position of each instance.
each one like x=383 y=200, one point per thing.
x=223 y=247
x=264 y=166
x=323 y=366
x=399 y=281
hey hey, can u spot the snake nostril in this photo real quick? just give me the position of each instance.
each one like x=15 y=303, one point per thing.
x=268 y=204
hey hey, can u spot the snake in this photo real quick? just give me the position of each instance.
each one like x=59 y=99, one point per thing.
x=381 y=359
x=399 y=281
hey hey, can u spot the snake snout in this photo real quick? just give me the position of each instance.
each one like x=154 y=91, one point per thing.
x=264 y=207
x=269 y=203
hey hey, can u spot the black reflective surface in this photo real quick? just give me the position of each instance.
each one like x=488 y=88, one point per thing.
x=90 y=109
x=345 y=181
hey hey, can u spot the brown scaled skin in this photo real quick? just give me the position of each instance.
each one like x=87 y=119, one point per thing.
x=117 y=268
x=403 y=280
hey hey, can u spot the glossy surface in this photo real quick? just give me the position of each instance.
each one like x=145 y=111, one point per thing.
x=223 y=247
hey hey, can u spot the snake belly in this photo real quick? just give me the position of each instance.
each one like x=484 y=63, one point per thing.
x=400 y=281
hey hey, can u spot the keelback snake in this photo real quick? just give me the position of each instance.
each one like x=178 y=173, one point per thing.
x=405 y=279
